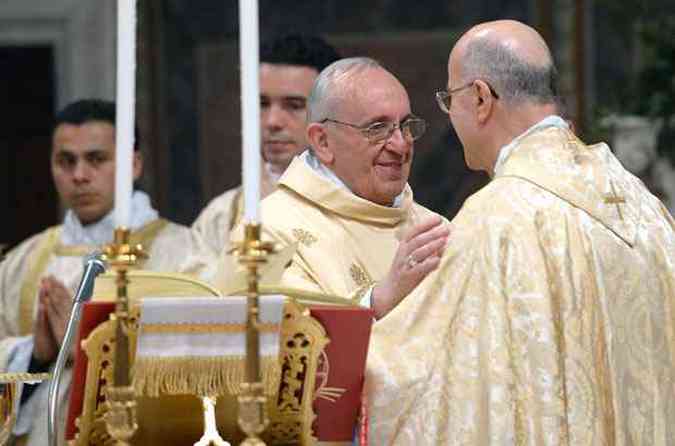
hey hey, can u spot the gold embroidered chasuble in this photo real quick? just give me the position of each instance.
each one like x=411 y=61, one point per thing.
x=344 y=243
x=170 y=247
x=550 y=321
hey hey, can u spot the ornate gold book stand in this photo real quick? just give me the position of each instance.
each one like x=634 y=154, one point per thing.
x=177 y=420
x=282 y=406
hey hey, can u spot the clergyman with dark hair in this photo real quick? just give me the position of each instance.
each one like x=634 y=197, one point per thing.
x=289 y=64
x=38 y=278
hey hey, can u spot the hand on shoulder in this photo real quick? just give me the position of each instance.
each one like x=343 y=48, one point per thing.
x=418 y=254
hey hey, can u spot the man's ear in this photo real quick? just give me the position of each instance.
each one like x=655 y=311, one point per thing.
x=486 y=101
x=137 y=164
x=318 y=138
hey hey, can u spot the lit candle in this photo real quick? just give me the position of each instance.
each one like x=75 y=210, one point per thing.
x=250 y=107
x=124 y=128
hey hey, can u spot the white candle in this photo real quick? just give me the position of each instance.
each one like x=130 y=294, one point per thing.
x=250 y=107
x=124 y=128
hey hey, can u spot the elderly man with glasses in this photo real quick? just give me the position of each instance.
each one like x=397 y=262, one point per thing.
x=550 y=320
x=345 y=201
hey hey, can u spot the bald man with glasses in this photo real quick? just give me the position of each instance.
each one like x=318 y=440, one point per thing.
x=550 y=318
x=345 y=201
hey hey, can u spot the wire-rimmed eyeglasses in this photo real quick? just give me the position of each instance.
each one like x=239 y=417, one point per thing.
x=444 y=98
x=411 y=129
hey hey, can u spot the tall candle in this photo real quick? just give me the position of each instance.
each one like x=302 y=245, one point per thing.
x=124 y=128
x=250 y=107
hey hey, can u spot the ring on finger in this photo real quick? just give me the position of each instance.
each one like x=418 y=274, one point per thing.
x=411 y=262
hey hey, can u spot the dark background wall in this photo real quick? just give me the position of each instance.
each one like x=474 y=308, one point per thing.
x=188 y=85
x=28 y=199
x=198 y=132
x=191 y=86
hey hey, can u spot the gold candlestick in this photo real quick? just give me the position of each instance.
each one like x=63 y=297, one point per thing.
x=253 y=417
x=121 y=416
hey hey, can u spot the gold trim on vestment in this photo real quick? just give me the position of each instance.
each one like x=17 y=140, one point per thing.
x=72 y=250
x=49 y=245
x=29 y=287
x=300 y=179
x=147 y=233
x=236 y=208
x=359 y=276
x=305 y=237
x=205 y=328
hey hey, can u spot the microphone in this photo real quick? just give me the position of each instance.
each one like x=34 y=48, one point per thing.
x=93 y=266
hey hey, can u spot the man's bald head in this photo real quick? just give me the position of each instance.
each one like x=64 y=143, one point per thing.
x=511 y=56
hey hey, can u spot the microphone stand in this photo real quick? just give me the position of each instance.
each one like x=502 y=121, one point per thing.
x=93 y=266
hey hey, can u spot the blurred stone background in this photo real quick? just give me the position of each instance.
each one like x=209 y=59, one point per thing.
x=616 y=60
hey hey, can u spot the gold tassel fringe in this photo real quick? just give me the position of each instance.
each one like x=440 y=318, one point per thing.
x=204 y=376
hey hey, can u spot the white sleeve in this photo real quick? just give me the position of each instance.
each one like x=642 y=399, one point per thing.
x=19 y=355
x=366 y=300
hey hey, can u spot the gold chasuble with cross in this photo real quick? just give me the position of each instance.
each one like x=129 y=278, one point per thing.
x=344 y=243
x=551 y=319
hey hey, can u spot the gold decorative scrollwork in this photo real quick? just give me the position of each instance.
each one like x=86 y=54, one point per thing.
x=359 y=276
x=305 y=237
x=286 y=431
x=7 y=410
x=99 y=350
x=303 y=340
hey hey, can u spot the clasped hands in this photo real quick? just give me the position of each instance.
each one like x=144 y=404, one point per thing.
x=54 y=305
x=418 y=254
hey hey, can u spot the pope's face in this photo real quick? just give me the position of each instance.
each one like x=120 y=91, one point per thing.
x=379 y=171
x=284 y=90
x=83 y=167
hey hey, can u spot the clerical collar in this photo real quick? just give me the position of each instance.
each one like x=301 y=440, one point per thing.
x=504 y=152
x=271 y=174
x=317 y=166
x=101 y=232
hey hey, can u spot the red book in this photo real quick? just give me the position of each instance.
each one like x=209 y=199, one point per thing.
x=348 y=329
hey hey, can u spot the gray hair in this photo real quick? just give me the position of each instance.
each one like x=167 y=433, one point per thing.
x=514 y=79
x=329 y=89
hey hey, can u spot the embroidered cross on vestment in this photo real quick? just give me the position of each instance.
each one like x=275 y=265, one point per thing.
x=613 y=198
